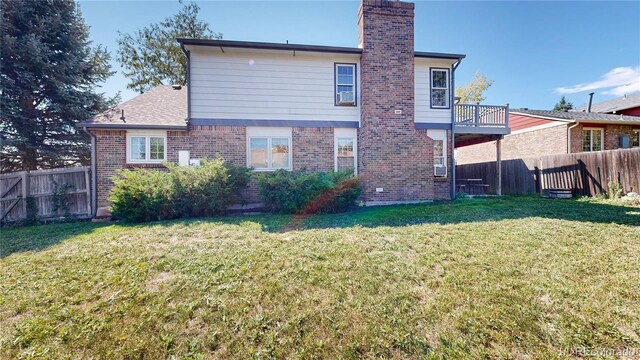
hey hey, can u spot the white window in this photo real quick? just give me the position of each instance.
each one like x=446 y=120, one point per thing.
x=635 y=140
x=345 y=90
x=439 y=88
x=592 y=139
x=346 y=149
x=269 y=149
x=439 y=151
x=146 y=147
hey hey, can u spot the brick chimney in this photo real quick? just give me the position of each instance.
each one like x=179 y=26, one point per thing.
x=395 y=160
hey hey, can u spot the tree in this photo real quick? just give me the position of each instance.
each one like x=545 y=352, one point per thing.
x=563 y=105
x=474 y=90
x=152 y=56
x=48 y=73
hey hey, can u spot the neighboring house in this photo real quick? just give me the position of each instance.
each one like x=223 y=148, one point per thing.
x=626 y=105
x=381 y=108
x=543 y=132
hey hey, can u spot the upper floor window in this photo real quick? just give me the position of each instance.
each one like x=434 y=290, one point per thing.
x=146 y=147
x=635 y=140
x=439 y=88
x=592 y=139
x=345 y=87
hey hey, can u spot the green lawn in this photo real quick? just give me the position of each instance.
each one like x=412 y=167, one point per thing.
x=518 y=277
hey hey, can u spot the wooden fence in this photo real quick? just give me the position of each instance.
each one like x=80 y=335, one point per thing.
x=585 y=173
x=40 y=185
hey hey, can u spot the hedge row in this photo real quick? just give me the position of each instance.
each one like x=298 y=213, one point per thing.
x=182 y=192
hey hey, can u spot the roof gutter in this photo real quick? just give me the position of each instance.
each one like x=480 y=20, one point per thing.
x=94 y=175
x=453 y=126
x=132 y=126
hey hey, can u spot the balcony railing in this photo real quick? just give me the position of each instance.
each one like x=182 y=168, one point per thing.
x=476 y=118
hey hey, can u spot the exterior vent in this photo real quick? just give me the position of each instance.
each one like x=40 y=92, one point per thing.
x=440 y=171
x=346 y=98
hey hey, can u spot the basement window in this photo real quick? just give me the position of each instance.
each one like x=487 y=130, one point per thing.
x=146 y=147
x=345 y=86
x=592 y=139
x=439 y=88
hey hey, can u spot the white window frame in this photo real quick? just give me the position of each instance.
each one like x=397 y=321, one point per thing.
x=147 y=135
x=354 y=66
x=446 y=88
x=636 y=135
x=442 y=136
x=591 y=138
x=269 y=133
x=345 y=133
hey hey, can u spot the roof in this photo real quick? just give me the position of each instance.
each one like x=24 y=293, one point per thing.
x=579 y=116
x=617 y=104
x=298 y=47
x=161 y=107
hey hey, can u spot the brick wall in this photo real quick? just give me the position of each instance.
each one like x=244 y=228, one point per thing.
x=110 y=156
x=313 y=149
x=392 y=154
x=541 y=142
x=612 y=135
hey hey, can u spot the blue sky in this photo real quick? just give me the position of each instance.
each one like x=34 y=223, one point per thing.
x=534 y=51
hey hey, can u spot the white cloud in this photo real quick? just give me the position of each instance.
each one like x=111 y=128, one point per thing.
x=619 y=81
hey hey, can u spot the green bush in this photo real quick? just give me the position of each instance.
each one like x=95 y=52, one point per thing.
x=308 y=193
x=145 y=195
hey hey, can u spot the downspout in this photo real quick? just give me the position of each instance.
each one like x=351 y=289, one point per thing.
x=94 y=176
x=188 y=55
x=569 y=136
x=453 y=128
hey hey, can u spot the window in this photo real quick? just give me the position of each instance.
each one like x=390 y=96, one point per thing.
x=592 y=139
x=346 y=149
x=345 y=90
x=439 y=151
x=439 y=88
x=269 y=149
x=635 y=140
x=146 y=147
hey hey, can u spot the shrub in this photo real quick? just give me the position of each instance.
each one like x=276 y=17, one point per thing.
x=206 y=190
x=308 y=193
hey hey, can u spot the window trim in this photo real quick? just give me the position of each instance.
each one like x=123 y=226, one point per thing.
x=355 y=83
x=345 y=134
x=269 y=134
x=591 y=138
x=447 y=89
x=147 y=135
x=636 y=134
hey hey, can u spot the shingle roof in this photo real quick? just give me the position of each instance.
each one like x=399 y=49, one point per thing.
x=160 y=107
x=621 y=103
x=579 y=116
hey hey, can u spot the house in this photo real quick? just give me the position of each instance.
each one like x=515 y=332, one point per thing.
x=629 y=104
x=381 y=108
x=543 y=132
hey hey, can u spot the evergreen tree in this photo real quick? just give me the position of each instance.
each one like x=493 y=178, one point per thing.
x=48 y=72
x=152 y=56
x=563 y=105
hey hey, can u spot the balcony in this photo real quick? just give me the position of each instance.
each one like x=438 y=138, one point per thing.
x=481 y=119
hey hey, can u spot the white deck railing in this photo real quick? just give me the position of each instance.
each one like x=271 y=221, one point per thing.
x=481 y=116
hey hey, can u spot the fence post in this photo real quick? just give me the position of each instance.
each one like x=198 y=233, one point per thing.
x=477 y=114
x=25 y=191
x=499 y=166
x=541 y=178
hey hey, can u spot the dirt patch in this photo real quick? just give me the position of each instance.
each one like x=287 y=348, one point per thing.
x=154 y=284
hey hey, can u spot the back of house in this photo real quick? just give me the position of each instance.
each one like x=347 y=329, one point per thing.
x=381 y=108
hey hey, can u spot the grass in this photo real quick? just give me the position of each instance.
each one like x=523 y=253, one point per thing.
x=516 y=277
